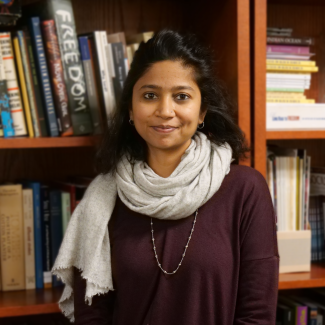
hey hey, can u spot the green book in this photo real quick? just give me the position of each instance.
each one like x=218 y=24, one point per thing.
x=66 y=210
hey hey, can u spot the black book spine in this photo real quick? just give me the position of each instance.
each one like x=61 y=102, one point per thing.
x=119 y=66
x=62 y=12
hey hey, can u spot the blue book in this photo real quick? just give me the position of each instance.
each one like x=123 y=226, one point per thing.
x=56 y=234
x=36 y=187
x=38 y=46
x=6 y=119
x=46 y=233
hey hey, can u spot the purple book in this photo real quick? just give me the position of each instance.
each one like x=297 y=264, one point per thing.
x=287 y=49
x=302 y=313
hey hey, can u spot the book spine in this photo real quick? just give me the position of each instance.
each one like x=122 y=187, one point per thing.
x=12 y=238
x=271 y=67
x=29 y=238
x=23 y=88
x=6 y=118
x=302 y=314
x=38 y=249
x=290 y=100
x=290 y=40
x=288 y=49
x=56 y=72
x=16 y=109
x=73 y=71
x=28 y=80
x=91 y=84
x=44 y=75
x=119 y=66
x=56 y=228
x=66 y=210
x=290 y=90
x=291 y=62
x=36 y=87
x=46 y=239
x=107 y=81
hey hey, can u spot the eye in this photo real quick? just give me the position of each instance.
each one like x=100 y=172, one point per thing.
x=182 y=96
x=150 y=96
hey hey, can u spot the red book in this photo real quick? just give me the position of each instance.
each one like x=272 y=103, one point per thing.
x=287 y=49
x=60 y=94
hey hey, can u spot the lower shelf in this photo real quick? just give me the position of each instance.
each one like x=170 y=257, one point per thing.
x=29 y=302
x=33 y=302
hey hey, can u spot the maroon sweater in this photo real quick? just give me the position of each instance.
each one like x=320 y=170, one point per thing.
x=229 y=274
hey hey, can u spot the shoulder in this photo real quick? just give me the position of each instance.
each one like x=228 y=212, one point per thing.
x=244 y=183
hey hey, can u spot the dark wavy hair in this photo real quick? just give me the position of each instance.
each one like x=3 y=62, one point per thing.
x=219 y=126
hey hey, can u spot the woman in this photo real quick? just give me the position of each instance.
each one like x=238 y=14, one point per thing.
x=170 y=232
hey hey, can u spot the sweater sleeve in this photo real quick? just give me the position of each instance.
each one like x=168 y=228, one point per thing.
x=100 y=312
x=259 y=258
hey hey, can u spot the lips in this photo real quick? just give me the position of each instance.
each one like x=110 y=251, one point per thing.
x=164 y=129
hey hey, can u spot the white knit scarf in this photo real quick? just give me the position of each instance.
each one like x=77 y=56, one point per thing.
x=86 y=244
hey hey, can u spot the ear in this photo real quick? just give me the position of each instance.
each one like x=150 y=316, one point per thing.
x=202 y=116
x=131 y=114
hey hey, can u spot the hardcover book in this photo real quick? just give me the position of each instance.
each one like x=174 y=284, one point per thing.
x=56 y=71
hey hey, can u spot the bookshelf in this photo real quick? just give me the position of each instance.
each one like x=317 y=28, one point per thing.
x=305 y=17
x=224 y=22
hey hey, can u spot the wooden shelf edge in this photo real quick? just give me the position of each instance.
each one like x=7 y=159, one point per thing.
x=49 y=142
x=49 y=308
x=300 y=280
x=287 y=135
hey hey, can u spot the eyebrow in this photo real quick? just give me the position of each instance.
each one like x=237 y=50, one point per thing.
x=181 y=87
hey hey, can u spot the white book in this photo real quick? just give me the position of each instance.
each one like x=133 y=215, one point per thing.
x=279 y=188
x=29 y=238
x=288 y=116
x=297 y=76
x=270 y=178
x=107 y=61
x=16 y=106
x=288 y=56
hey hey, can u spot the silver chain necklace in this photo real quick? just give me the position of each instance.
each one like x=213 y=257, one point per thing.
x=189 y=238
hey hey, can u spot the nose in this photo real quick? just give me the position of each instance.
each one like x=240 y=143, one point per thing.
x=165 y=108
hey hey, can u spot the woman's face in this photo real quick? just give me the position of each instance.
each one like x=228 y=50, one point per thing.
x=166 y=105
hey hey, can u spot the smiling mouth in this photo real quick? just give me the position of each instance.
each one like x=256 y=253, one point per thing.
x=164 y=129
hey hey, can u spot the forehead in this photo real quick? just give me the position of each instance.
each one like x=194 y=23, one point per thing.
x=167 y=74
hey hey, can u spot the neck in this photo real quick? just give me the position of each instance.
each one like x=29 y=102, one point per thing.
x=164 y=162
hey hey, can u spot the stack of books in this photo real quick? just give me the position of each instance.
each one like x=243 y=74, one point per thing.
x=34 y=217
x=54 y=82
x=289 y=71
x=288 y=178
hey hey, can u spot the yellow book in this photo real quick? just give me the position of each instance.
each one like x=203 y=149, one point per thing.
x=291 y=62
x=23 y=88
x=290 y=100
x=278 y=94
x=290 y=68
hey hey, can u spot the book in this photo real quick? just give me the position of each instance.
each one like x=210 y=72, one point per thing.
x=15 y=103
x=140 y=37
x=288 y=56
x=61 y=11
x=275 y=67
x=29 y=82
x=288 y=49
x=38 y=247
x=290 y=100
x=42 y=69
x=5 y=115
x=12 y=238
x=56 y=234
x=290 y=40
x=29 y=238
x=286 y=89
x=291 y=62
x=46 y=235
x=60 y=94
x=21 y=75
x=288 y=116
x=66 y=210
x=300 y=311
x=35 y=86
x=93 y=96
